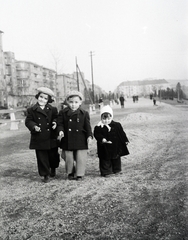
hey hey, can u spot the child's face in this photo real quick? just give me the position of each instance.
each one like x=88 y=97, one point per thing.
x=106 y=119
x=42 y=99
x=74 y=103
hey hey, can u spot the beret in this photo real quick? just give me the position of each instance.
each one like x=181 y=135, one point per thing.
x=46 y=91
x=74 y=93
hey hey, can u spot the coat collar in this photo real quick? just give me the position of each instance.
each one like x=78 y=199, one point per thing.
x=44 y=111
x=79 y=110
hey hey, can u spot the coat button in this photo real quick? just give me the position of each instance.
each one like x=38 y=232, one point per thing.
x=38 y=117
x=48 y=129
x=70 y=120
x=47 y=123
x=77 y=130
x=69 y=129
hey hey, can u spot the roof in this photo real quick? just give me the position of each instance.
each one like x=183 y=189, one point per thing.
x=143 y=82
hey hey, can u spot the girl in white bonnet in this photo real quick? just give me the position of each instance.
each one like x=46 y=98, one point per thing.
x=111 y=143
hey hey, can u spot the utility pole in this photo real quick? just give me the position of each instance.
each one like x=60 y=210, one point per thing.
x=91 y=54
x=77 y=75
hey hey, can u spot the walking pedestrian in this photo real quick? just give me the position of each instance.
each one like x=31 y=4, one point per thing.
x=75 y=131
x=122 y=100
x=111 y=143
x=41 y=120
x=100 y=103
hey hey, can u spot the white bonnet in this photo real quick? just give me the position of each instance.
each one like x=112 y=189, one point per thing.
x=107 y=109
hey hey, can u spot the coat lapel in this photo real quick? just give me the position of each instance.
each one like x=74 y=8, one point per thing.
x=44 y=111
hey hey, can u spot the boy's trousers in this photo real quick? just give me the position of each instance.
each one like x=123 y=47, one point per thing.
x=80 y=156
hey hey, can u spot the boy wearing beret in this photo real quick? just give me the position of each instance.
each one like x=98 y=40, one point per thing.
x=41 y=120
x=75 y=131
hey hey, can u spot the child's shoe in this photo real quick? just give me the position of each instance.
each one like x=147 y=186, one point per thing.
x=106 y=175
x=118 y=173
x=71 y=177
x=79 y=178
x=46 y=179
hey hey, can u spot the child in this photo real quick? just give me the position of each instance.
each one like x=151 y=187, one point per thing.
x=75 y=130
x=111 y=143
x=41 y=121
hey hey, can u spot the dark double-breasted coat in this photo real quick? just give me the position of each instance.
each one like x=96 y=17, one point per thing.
x=76 y=127
x=118 y=138
x=43 y=118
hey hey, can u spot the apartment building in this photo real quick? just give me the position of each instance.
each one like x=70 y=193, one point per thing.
x=75 y=81
x=10 y=78
x=3 y=94
x=141 y=88
x=20 y=79
x=30 y=76
x=66 y=83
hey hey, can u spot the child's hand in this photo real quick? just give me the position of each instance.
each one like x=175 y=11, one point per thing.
x=105 y=141
x=54 y=125
x=89 y=140
x=37 y=129
x=61 y=134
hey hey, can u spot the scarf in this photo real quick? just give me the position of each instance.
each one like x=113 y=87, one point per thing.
x=100 y=124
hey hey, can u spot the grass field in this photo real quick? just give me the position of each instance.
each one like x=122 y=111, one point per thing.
x=148 y=201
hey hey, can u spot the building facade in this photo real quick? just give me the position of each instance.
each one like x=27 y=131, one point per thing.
x=19 y=81
x=30 y=76
x=10 y=79
x=3 y=93
x=74 y=81
x=141 y=88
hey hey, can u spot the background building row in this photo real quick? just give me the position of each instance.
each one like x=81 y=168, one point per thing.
x=20 y=79
x=141 y=88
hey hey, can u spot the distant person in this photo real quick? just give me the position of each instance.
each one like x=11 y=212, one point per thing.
x=111 y=143
x=122 y=100
x=154 y=101
x=75 y=131
x=41 y=120
x=100 y=103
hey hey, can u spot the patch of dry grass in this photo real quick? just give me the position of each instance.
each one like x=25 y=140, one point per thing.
x=147 y=201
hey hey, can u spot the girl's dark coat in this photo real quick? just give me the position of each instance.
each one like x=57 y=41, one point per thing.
x=47 y=137
x=76 y=127
x=118 y=138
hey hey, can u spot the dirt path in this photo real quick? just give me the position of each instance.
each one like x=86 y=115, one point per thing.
x=148 y=201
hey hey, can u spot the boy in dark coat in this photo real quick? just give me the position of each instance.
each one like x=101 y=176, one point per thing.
x=111 y=143
x=41 y=121
x=75 y=131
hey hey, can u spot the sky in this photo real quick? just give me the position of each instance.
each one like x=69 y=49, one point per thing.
x=129 y=39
